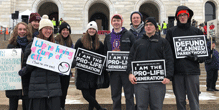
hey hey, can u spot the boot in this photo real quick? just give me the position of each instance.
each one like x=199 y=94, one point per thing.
x=103 y=109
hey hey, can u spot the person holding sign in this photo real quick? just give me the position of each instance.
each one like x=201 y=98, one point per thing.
x=212 y=66
x=34 y=23
x=64 y=38
x=186 y=70
x=44 y=88
x=120 y=39
x=150 y=47
x=86 y=81
x=20 y=38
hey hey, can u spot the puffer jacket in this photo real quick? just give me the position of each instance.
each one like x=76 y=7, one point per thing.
x=43 y=83
x=87 y=80
x=153 y=48
x=184 y=66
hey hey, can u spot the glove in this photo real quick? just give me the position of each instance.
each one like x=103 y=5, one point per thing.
x=192 y=57
x=22 y=72
x=211 y=51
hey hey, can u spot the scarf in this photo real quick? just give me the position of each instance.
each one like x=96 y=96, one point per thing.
x=22 y=42
x=138 y=29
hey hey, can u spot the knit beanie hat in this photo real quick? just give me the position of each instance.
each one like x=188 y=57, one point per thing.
x=137 y=13
x=92 y=24
x=34 y=17
x=45 y=21
x=152 y=20
x=117 y=15
x=64 y=25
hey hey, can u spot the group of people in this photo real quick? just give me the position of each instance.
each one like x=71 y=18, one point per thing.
x=47 y=90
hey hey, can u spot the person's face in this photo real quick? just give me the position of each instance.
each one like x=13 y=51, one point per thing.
x=22 y=30
x=213 y=45
x=91 y=31
x=150 y=28
x=183 y=18
x=35 y=24
x=47 y=31
x=136 y=19
x=116 y=23
x=65 y=32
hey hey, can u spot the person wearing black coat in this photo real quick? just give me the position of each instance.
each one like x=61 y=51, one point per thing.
x=86 y=81
x=186 y=70
x=150 y=47
x=64 y=38
x=44 y=88
x=120 y=39
x=20 y=38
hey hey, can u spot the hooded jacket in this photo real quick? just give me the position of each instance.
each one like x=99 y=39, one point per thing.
x=184 y=66
x=212 y=62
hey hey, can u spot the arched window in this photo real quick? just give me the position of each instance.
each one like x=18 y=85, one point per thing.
x=209 y=11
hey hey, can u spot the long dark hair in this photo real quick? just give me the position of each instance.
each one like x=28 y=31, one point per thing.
x=61 y=41
x=41 y=36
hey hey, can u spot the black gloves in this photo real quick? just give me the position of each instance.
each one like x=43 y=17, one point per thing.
x=192 y=57
x=22 y=72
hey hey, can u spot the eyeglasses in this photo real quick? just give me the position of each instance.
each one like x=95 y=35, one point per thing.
x=149 y=24
x=50 y=29
x=181 y=15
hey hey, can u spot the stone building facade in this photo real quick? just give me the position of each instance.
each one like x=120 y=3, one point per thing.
x=79 y=12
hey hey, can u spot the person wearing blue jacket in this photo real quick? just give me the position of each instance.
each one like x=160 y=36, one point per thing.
x=211 y=67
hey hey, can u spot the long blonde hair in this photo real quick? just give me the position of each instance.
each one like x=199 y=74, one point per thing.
x=13 y=39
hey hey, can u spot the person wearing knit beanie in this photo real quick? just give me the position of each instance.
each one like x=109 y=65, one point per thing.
x=34 y=24
x=117 y=16
x=64 y=38
x=92 y=24
x=45 y=21
x=46 y=29
x=152 y=20
x=137 y=24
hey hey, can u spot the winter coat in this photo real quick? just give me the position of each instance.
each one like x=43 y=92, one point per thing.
x=153 y=48
x=11 y=93
x=126 y=41
x=43 y=83
x=184 y=66
x=212 y=61
x=87 y=80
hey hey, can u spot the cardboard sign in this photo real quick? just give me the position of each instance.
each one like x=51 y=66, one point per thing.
x=90 y=61
x=117 y=60
x=10 y=64
x=187 y=45
x=149 y=71
x=212 y=28
x=51 y=56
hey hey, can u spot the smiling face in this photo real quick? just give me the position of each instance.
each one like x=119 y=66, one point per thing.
x=35 y=24
x=136 y=20
x=91 y=31
x=47 y=31
x=22 y=30
x=116 y=23
x=65 y=32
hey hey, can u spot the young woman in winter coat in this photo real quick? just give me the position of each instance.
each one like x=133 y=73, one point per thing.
x=64 y=38
x=34 y=23
x=86 y=81
x=44 y=88
x=20 y=38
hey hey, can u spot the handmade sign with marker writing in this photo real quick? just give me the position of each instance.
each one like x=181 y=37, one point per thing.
x=10 y=64
x=51 y=56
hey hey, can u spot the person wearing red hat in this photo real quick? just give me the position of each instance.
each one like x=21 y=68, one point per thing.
x=186 y=70
x=34 y=23
x=120 y=39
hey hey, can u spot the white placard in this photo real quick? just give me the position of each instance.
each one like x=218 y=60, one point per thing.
x=10 y=64
x=51 y=56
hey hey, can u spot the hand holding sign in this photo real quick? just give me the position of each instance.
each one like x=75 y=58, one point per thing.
x=132 y=79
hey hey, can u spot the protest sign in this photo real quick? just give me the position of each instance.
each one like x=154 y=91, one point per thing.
x=212 y=29
x=186 y=45
x=149 y=71
x=10 y=64
x=51 y=56
x=90 y=61
x=117 y=60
